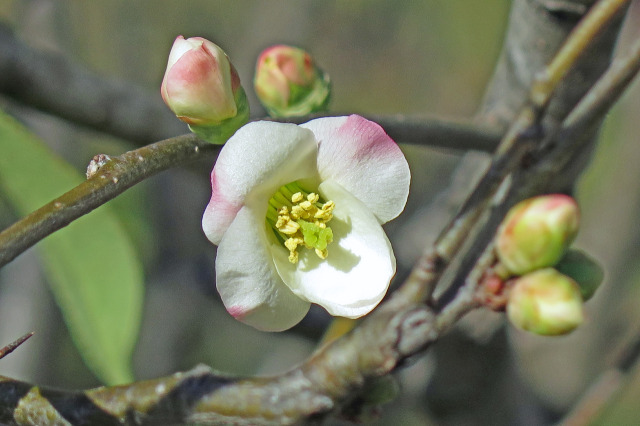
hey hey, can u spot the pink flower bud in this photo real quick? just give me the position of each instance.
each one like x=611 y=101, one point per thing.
x=545 y=302
x=288 y=83
x=536 y=232
x=200 y=84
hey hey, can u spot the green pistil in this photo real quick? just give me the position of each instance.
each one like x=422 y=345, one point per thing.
x=314 y=235
x=302 y=223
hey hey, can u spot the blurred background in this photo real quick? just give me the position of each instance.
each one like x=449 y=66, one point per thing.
x=384 y=57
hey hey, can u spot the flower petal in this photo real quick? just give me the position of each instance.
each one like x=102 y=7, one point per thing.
x=355 y=276
x=250 y=287
x=180 y=47
x=258 y=159
x=361 y=157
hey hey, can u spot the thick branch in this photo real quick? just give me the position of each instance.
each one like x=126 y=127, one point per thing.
x=314 y=389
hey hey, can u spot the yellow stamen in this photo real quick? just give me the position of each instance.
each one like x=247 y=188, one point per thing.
x=301 y=221
x=297 y=197
x=307 y=206
x=287 y=226
x=298 y=212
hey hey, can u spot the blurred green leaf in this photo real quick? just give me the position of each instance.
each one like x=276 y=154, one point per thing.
x=93 y=271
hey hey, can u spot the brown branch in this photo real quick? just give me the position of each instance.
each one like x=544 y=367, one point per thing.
x=113 y=178
x=605 y=93
x=201 y=397
x=434 y=132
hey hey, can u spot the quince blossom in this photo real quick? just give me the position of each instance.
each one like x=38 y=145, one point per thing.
x=296 y=212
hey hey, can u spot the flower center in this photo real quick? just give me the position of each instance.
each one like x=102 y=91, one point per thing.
x=299 y=218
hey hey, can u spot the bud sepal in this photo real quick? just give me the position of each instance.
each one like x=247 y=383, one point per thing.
x=219 y=133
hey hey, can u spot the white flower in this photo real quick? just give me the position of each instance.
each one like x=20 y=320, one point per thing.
x=347 y=166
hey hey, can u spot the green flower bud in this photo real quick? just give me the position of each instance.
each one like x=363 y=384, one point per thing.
x=583 y=270
x=545 y=302
x=288 y=83
x=536 y=232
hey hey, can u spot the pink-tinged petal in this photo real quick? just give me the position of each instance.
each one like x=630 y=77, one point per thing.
x=258 y=159
x=359 y=155
x=180 y=47
x=197 y=86
x=356 y=275
x=247 y=280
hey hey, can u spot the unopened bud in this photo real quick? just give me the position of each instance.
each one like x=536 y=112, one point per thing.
x=288 y=83
x=536 y=232
x=585 y=271
x=545 y=302
x=203 y=89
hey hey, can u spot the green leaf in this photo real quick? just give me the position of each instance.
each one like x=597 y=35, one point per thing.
x=93 y=271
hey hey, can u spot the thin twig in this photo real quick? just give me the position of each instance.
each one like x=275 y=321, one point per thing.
x=595 y=399
x=466 y=299
x=579 y=40
x=607 y=90
x=117 y=175
x=433 y=132
x=14 y=345
x=522 y=137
